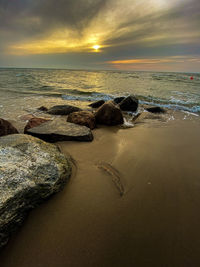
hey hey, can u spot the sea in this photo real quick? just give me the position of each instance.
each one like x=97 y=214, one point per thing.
x=24 y=90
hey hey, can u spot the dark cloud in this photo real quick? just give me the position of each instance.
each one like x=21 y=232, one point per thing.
x=38 y=16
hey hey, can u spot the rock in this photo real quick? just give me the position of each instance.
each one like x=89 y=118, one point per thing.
x=63 y=110
x=130 y=103
x=97 y=104
x=109 y=114
x=26 y=117
x=30 y=171
x=155 y=110
x=119 y=99
x=7 y=128
x=85 y=118
x=146 y=117
x=57 y=130
x=42 y=108
x=33 y=122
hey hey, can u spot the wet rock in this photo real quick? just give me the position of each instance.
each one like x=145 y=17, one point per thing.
x=30 y=171
x=33 y=122
x=155 y=109
x=7 y=128
x=109 y=114
x=57 y=130
x=62 y=110
x=85 y=118
x=147 y=117
x=97 y=104
x=119 y=99
x=129 y=103
x=43 y=108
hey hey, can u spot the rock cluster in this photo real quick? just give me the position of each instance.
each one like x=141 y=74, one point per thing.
x=31 y=169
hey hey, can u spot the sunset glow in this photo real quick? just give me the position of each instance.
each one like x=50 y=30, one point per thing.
x=127 y=33
x=96 y=47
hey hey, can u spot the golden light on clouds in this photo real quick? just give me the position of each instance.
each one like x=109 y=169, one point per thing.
x=62 y=41
x=172 y=59
x=103 y=29
x=160 y=63
x=131 y=32
x=50 y=46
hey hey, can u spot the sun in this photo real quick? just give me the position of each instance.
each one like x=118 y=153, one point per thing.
x=96 y=47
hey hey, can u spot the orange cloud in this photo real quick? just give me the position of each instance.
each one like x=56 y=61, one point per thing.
x=146 y=61
x=165 y=63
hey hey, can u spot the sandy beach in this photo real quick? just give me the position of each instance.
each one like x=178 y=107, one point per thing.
x=133 y=200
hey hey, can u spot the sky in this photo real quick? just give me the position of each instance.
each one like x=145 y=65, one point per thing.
x=151 y=35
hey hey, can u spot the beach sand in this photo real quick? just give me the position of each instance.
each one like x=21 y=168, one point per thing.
x=133 y=200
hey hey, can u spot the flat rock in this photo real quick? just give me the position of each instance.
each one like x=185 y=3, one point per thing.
x=155 y=109
x=33 y=122
x=85 y=118
x=97 y=104
x=30 y=171
x=57 y=130
x=130 y=103
x=7 y=128
x=109 y=114
x=62 y=110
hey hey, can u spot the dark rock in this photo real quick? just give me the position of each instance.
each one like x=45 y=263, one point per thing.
x=97 y=104
x=118 y=100
x=109 y=114
x=42 y=108
x=130 y=103
x=155 y=110
x=63 y=110
x=33 y=122
x=85 y=118
x=57 y=130
x=30 y=171
x=7 y=128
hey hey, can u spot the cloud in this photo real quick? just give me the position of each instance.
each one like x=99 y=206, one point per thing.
x=177 y=22
x=41 y=15
x=123 y=28
x=175 y=63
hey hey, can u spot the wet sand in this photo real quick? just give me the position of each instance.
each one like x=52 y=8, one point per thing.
x=153 y=222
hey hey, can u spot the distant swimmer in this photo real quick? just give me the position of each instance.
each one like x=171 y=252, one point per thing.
x=191 y=78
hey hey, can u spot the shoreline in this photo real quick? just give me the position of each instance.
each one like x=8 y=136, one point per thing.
x=154 y=223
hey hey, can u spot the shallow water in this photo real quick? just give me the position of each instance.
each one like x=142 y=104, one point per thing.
x=26 y=89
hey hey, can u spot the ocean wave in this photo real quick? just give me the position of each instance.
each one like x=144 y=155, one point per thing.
x=175 y=105
x=89 y=97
